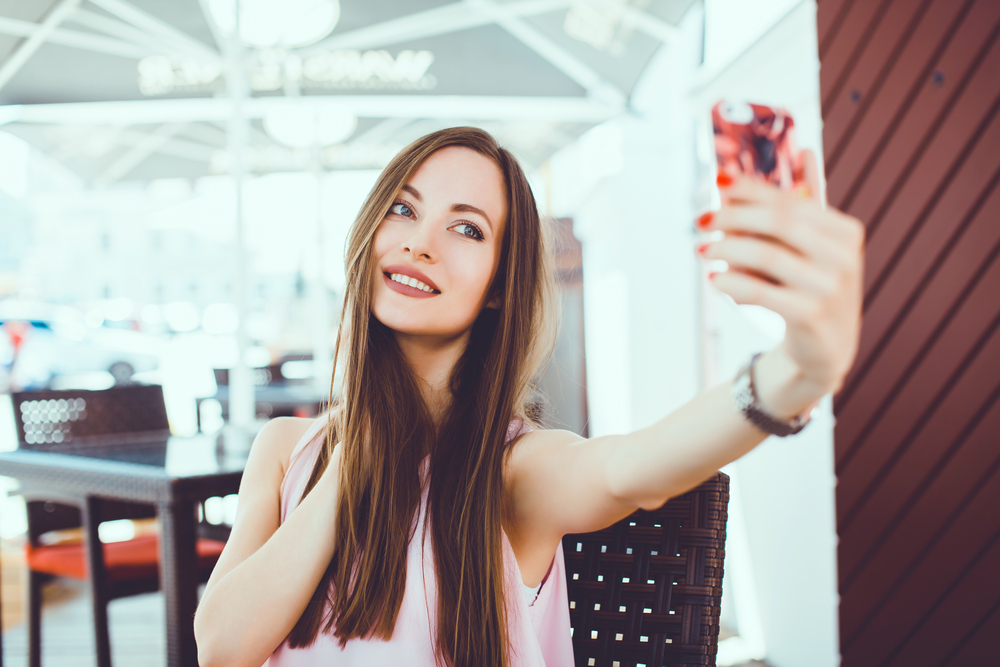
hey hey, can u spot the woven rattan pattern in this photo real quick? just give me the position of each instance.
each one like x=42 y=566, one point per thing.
x=647 y=590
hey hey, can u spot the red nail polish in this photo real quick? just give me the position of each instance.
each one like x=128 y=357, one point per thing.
x=702 y=248
x=705 y=219
x=712 y=274
x=723 y=179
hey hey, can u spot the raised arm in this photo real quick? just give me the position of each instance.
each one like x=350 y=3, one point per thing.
x=267 y=572
x=786 y=253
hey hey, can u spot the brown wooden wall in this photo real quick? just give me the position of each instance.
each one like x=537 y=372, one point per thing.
x=911 y=110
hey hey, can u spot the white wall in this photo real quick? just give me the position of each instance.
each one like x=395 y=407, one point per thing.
x=629 y=185
x=786 y=486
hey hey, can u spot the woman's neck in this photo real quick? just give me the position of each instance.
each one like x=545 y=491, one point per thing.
x=432 y=361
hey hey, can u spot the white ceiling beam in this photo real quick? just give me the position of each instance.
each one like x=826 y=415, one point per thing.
x=442 y=20
x=76 y=39
x=448 y=107
x=558 y=57
x=133 y=157
x=183 y=148
x=16 y=61
x=379 y=132
x=123 y=137
x=161 y=29
x=122 y=30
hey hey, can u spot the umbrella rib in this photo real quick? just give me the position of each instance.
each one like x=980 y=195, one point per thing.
x=146 y=147
x=75 y=39
x=463 y=107
x=558 y=57
x=122 y=30
x=443 y=20
x=159 y=28
x=15 y=62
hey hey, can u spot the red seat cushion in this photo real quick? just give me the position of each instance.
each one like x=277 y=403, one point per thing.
x=137 y=558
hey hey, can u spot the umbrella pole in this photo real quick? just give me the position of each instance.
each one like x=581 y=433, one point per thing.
x=322 y=349
x=242 y=400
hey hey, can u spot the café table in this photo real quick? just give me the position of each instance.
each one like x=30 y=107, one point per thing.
x=170 y=472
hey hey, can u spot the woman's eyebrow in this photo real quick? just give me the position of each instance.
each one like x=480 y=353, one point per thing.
x=469 y=208
x=457 y=208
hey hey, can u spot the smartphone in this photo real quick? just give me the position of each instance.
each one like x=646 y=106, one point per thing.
x=757 y=139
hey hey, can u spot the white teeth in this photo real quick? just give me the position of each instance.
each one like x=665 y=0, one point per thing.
x=412 y=282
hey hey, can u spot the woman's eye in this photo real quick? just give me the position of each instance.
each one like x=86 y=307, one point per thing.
x=401 y=209
x=470 y=230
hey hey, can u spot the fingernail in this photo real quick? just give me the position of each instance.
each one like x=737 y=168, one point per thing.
x=705 y=219
x=712 y=274
x=702 y=248
x=723 y=179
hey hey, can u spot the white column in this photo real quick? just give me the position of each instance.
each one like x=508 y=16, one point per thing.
x=242 y=400
x=784 y=489
x=630 y=184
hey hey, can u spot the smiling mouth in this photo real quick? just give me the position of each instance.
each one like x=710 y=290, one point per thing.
x=412 y=283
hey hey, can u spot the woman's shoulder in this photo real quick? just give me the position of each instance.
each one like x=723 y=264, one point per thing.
x=279 y=437
x=535 y=441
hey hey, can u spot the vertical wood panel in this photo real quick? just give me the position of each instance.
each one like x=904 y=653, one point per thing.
x=898 y=130
x=887 y=46
x=938 y=578
x=979 y=646
x=830 y=15
x=859 y=402
x=910 y=75
x=859 y=25
x=895 y=492
x=963 y=347
x=911 y=110
x=933 y=513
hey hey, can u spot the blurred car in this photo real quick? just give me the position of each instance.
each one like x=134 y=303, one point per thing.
x=60 y=342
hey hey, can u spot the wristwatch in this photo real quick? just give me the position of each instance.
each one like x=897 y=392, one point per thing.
x=746 y=401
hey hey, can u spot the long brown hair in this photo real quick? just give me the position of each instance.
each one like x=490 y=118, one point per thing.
x=385 y=428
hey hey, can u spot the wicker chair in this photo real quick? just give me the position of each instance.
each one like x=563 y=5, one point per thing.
x=72 y=420
x=647 y=590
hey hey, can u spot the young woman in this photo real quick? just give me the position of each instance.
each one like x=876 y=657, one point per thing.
x=419 y=522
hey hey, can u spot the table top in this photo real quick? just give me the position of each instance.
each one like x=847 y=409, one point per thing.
x=138 y=466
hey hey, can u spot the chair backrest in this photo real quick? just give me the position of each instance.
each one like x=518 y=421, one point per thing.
x=46 y=417
x=648 y=589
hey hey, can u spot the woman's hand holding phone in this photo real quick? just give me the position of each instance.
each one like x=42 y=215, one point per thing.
x=790 y=254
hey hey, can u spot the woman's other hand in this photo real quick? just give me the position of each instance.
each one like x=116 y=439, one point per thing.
x=790 y=254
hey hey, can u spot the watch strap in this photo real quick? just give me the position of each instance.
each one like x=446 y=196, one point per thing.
x=745 y=396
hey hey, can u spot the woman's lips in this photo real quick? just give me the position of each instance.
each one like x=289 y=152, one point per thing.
x=406 y=289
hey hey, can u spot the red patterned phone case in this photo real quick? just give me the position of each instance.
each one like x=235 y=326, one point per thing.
x=753 y=138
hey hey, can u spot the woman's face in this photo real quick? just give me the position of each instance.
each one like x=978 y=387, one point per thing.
x=444 y=230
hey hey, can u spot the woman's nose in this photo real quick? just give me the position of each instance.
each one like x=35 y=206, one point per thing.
x=420 y=241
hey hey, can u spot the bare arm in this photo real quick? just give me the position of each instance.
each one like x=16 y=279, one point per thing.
x=267 y=572
x=788 y=254
x=562 y=483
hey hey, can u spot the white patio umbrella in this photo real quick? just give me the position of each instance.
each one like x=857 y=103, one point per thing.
x=144 y=89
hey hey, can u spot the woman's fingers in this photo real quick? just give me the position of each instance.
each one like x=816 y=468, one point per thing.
x=792 y=305
x=797 y=229
x=751 y=206
x=773 y=261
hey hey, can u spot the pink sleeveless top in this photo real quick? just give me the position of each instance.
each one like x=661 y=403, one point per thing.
x=539 y=627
